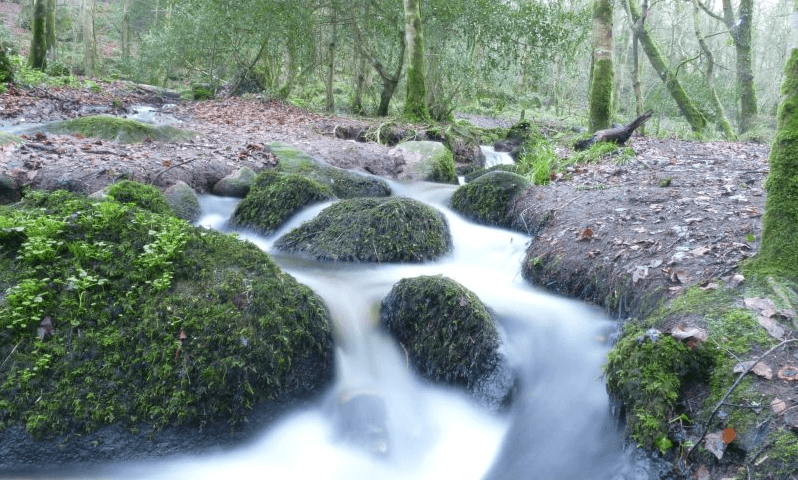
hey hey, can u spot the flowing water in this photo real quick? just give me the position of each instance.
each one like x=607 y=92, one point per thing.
x=558 y=428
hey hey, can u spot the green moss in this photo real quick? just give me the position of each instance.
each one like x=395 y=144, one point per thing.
x=470 y=177
x=117 y=129
x=141 y=195
x=443 y=168
x=782 y=457
x=6 y=70
x=6 y=138
x=443 y=326
x=601 y=90
x=183 y=201
x=392 y=229
x=154 y=322
x=487 y=199
x=276 y=197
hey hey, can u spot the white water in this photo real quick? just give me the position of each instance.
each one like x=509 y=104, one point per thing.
x=493 y=158
x=559 y=426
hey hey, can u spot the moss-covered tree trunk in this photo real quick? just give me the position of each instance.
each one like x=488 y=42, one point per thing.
x=328 y=81
x=6 y=71
x=720 y=113
x=416 y=101
x=687 y=107
x=741 y=32
x=50 y=27
x=602 y=75
x=37 y=57
x=89 y=48
x=780 y=223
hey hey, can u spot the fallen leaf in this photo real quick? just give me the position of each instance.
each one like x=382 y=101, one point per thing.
x=700 y=251
x=45 y=328
x=166 y=163
x=736 y=280
x=761 y=369
x=585 y=234
x=463 y=301
x=710 y=286
x=714 y=443
x=702 y=473
x=681 y=333
x=729 y=435
x=639 y=274
x=778 y=405
x=757 y=303
x=31 y=174
x=774 y=329
x=790 y=372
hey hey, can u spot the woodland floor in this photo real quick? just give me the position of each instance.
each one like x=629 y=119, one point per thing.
x=679 y=213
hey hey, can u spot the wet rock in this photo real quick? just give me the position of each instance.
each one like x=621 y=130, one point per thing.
x=9 y=191
x=488 y=199
x=237 y=184
x=436 y=163
x=183 y=200
x=394 y=229
x=360 y=419
x=450 y=337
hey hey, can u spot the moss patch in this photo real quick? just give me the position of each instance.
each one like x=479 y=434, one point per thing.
x=6 y=138
x=120 y=130
x=116 y=315
x=487 y=199
x=143 y=196
x=276 y=197
x=470 y=177
x=392 y=229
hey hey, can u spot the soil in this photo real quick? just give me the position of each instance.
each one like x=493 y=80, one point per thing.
x=624 y=236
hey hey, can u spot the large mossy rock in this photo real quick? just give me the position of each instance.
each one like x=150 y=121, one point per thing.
x=437 y=164
x=449 y=336
x=488 y=198
x=141 y=195
x=237 y=184
x=143 y=334
x=392 y=229
x=275 y=197
x=183 y=200
x=345 y=184
x=122 y=130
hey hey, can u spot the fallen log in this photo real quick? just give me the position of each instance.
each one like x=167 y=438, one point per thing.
x=617 y=135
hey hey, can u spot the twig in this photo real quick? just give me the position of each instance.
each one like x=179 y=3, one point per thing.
x=731 y=389
x=9 y=355
x=167 y=169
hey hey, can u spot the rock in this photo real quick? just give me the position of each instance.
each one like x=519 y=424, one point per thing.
x=237 y=184
x=394 y=229
x=436 y=163
x=116 y=129
x=488 y=199
x=143 y=196
x=9 y=191
x=449 y=336
x=183 y=200
x=345 y=184
x=360 y=418
x=276 y=197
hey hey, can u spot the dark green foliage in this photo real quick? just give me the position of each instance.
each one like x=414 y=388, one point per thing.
x=443 y=168
x=276 y=197
x=117 y=129
x=392 y=229
x=201 y=92
x=445 y=329
x=154 y=322
x=38 y=48
x=487 y=199
x=141 y=195
x=6 y=70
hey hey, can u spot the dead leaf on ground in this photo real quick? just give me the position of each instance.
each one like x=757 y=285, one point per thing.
x=585 y=234
x=774 y=329
x=710 y=286
x=778 y=405
x=45 y=328
x=702 y=473
x=729 y=435
x=761 y=369
x=790 y=372
x=682 y=333
x=700 y=251
x=639 y=274
x=736 y=280
x=758 y=303
x=715 y=444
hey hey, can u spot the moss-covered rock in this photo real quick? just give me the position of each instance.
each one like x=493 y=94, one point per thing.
x=183 y=200
x=275 y=197
x=122 y=130
x=392 y=229
x=237 y=184
x=345 y=184
x=6 y=138
x=139 y=194
x=449 y=336
x=505 y=167
x=464 y=141
x=119 y=316
x=437 y=164
x=488 y=198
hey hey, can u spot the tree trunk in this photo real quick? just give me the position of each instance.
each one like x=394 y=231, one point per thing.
x=50 y=27
x=38 y=45
x=331 y=64
x=779 y=250
x=720 y=114
x=125 y=31
x=689 y=111
x=601 y=72
x=741 y=32
x=636 y=79
x=389 y=81
x=416 y=101
x=89 y=45
x=360 y=80
x=617 y=135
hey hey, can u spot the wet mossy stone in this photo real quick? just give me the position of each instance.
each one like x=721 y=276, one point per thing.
x=345 y=184
x=504 y=167
x=275 y=197
x=394 y=229
x=6 y=138
x=488 y=199
x=182 y=199
x=139 y=194
x=438 y=163
x=121 y=317
x=122 y=130
x=237 y=184
x=449 y=336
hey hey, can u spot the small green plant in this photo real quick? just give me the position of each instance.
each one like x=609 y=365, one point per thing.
x=539 y=163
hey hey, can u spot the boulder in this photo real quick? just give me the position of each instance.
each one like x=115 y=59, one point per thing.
x=183 y=200
x=488 y=198
x=450 y=337
x=9 y=191
x=359 y=418
x=116 y=129
x=144 y=336
x=394 y=229
x=237 y=184
x=143 y=196
x=344 y=183
x=435 y=162
x=275 y=197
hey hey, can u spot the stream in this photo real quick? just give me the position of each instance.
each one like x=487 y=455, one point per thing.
x=559 y=426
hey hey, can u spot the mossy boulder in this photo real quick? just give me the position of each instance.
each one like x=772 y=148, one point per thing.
x=392 y=229
x=122 y=130
x=139 y=194
x=183 y=201
x=463 y=140
x=520 y=138
x=488 y=199
x=119 y=318
x=237 y=184
x=505 y=167
x=449 y=336
x=275 y=197
x=437 y=163
x=345 y=184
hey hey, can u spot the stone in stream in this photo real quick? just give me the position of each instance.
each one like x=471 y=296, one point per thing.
x=237 y=184
x=488 y=199
x=360 y=419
